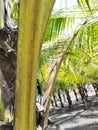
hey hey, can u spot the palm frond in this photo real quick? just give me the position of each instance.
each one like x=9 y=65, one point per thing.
x=83 y=3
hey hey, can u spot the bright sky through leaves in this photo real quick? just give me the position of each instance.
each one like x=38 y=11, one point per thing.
x=64 y=3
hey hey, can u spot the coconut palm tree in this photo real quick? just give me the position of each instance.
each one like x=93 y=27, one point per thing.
x=43 y=8
x=87 y=18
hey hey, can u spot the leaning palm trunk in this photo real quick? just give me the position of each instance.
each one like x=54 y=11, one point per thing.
x=51 y=80
x=53 y=75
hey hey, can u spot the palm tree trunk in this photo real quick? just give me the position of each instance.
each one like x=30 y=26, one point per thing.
x=68 y=98
x=85 y=91
x=51 y=81
x=83 y=96
x=55 y=71
x=75 y=95
x=64 y=97
x=52 y=103
x=81 y=91
x=59 y=95
x=55 y=100
x=95 y=85
x=29 y=44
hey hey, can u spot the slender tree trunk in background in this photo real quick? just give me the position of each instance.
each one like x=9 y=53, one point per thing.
x=75 y=95
x=54 y=97
x=68 y=98
x=81 y=91
x=31 y=30
x=85 y=91
x=95 y=86
x=94 y=89
x=59 y=95
x=64 y=97
x=83 y=96
x=52 y=103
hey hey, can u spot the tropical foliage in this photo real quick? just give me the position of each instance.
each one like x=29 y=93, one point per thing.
x=80 y=62
x=71 y=31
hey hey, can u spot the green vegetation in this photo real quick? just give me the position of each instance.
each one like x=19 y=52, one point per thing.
x=2 y=110
x=64 y=58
